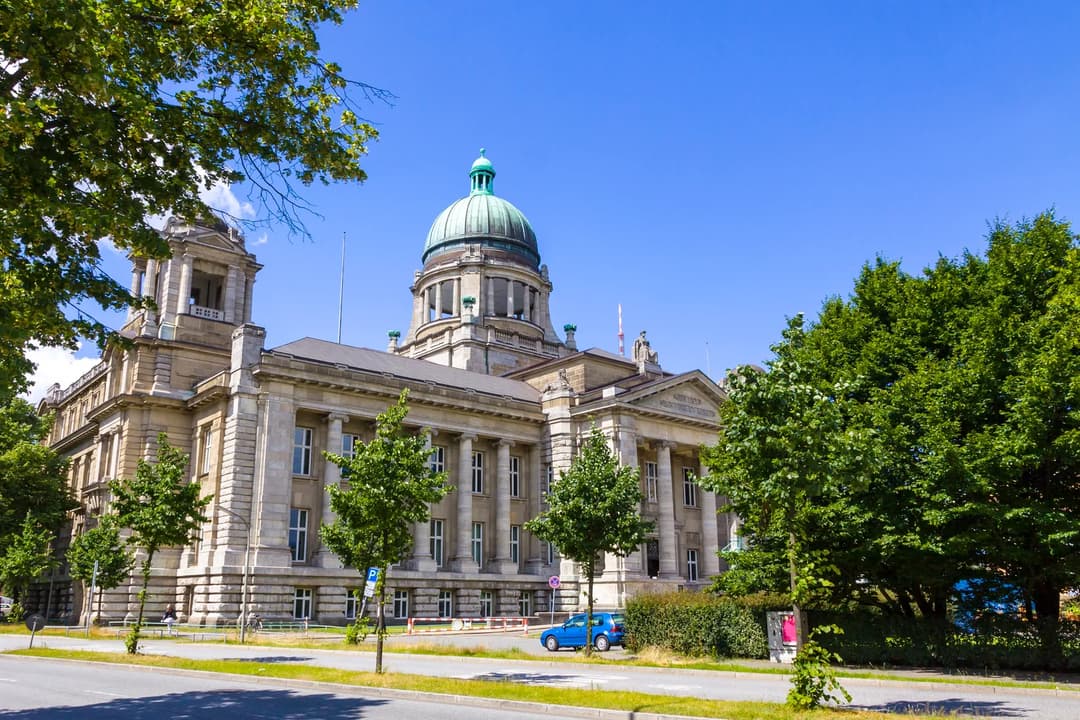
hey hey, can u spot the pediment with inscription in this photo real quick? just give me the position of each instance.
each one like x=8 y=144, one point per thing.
x=685 y=400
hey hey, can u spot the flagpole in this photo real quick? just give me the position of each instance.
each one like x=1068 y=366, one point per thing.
x=341 y=289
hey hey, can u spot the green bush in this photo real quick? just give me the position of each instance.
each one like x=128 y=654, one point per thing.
x=694 y=624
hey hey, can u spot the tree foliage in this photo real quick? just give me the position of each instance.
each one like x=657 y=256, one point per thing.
x=595 y=507
x=103 y=546
x=968 y=377
x=32 y=477
x=161 y=508
x=27 y=556
x=390 y=486
x=114 y=112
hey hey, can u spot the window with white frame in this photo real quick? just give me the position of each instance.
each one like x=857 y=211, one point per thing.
x=515 y=543
x=401 y=604
x=206 y=449
x=549 y=553
x=549 y=478
x=478 y=472
x=437 y=541
x=352 y=603
x=349 y=443
x=485 y=603
x=438 y=458
x=445 y=605
x=651 y=481
x=525 y=603
x=301 y=454
x=691 y=565
x=478 y=543
x=515 y=476
x=302 y=604
x=689 y=488
x=298 y=519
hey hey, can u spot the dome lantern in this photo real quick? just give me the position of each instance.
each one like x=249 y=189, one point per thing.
x=482 y=176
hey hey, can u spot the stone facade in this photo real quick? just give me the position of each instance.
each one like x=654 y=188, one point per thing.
x=504 y=399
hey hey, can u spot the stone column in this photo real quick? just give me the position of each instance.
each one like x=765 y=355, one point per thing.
x=249 y=285
x=184 y=294
x=509 y=298
x=503 y=564
x=422 y=559
x=331 y=476
x=230 y=294
x=273 y=481
x=136 y=289
x=150 y=290
x=455 y=298
x=525 y=302
x=710 y=538
x=535 y=561
x=669 y=564
x=463 y=561
x=241 y=292
x=489 y=308
x=438 y=299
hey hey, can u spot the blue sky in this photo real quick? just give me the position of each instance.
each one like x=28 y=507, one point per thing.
x=714 y=167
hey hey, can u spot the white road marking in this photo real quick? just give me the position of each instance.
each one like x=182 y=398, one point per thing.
x=11 y=680
x=109 y=694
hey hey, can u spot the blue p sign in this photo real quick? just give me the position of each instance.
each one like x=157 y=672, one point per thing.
x=372 y=574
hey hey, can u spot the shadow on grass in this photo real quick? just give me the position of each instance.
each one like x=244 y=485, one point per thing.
x=234 y=704
x=948 y=706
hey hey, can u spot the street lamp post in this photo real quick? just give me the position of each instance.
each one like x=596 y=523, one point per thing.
x=247 y=564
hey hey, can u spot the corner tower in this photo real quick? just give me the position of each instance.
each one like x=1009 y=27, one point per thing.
x=480 y=302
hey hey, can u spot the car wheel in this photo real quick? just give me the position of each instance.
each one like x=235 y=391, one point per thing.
x=552 y=643
x=602 y=643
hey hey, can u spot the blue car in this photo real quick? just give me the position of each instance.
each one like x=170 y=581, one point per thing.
x=607 y=631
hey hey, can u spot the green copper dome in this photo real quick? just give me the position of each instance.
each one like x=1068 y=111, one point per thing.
x=482 y=218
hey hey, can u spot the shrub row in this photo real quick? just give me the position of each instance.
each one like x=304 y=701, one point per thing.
x=695 y=624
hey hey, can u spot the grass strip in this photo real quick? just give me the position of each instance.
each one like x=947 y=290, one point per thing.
x=502 y=690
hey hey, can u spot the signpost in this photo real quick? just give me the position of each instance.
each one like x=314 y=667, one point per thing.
x=33 y=624
x=553 y=583
x=369 y=588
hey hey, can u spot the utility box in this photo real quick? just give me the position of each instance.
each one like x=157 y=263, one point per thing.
x=782 y=640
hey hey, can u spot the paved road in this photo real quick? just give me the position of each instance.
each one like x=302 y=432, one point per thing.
x=33 y=689
x=877 y=695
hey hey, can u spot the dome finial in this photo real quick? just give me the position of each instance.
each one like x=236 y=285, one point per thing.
x=482 y=175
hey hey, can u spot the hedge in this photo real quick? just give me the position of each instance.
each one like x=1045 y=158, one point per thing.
x=695 y=624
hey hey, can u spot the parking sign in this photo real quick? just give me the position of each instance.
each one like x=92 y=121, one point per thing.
x=372 y=578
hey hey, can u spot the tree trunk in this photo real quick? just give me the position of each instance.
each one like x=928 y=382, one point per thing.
x=133 y=646
x=589 y=569
x=1047 y=600
x=380 y=620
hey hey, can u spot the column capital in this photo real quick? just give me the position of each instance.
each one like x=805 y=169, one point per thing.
x=503 y=442
x=336 y=417
x=467 y=436
x=664 y=444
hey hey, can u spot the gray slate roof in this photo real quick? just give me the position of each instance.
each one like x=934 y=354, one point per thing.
x=376 y=361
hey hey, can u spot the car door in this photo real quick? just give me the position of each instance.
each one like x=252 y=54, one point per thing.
x=574 y=631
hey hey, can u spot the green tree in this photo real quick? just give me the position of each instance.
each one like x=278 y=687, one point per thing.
x=26 y=558
x=593 y=508
x=114 y=113
x=390 y=487
x=161 y=508
x=33 y=478
x=101 y=546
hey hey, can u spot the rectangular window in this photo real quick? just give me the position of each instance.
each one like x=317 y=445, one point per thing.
x=437 y=542
x=515 y=476
x=298 y=534
x=438 y=458
x=525 y=603
x=206 y=448
x=485 y=603
x=352 y=604
x=349 y=443
x=689 y=488
x=301 y=454
x=401 y=604
x=302 y=604
x=446 y=604
x=515 y=543
x=651 y=475
x=691 y=565
x=478 y=472
x=478 y=544
x=549 y=553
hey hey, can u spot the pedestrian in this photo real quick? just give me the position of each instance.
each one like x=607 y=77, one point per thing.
x=169 y=618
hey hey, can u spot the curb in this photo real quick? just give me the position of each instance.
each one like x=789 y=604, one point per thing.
x=413 y=695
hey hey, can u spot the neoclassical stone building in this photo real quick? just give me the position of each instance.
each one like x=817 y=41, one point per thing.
x=505 y=399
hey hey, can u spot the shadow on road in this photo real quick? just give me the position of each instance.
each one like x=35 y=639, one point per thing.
x=948 y=706
x=526 y=678
x=270 y=659
x=233 y=704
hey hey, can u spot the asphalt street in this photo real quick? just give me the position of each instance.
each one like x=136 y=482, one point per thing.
x=870 y=694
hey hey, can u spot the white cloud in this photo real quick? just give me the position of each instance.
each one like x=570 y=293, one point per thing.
x=55 y=365
x=261 y=240
x=221 y=197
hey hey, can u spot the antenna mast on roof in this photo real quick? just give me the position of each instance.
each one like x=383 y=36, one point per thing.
x=341 y=289
x=622 y=348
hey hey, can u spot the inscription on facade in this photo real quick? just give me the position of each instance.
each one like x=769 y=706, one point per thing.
x=685 y=405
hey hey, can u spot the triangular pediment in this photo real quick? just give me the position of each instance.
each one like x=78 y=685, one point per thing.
x=690 y=395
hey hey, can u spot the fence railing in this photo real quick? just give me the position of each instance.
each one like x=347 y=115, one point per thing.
x=486 y=624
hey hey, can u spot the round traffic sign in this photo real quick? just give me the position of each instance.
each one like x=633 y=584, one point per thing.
x=35 y=623
x=553 y=581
